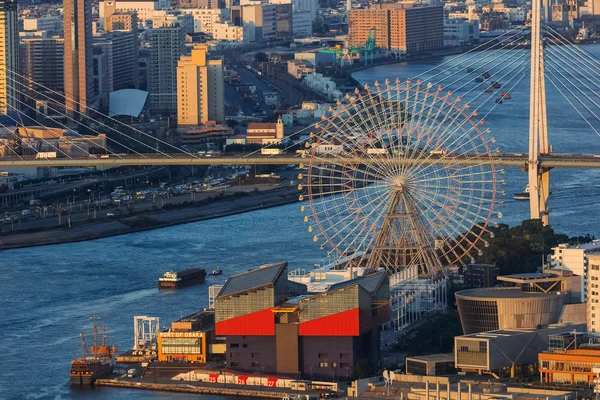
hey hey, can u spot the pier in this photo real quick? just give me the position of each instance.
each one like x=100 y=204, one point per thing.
x=205 y=389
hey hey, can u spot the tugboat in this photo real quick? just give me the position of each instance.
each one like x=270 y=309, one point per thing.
x=94 y=364
x=216 y=272
x=523 y=195
x=188 y=277
x=506 y=95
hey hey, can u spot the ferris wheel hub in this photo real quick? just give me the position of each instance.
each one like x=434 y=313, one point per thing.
x=400 y=183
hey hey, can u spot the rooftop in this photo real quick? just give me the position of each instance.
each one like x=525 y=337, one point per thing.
x=502 y=293
x=551 y=330
x=196 y=316
x=370 y=282
x=434 y=357
x=263 y=276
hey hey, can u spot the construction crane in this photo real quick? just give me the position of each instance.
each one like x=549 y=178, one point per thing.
x=345 y=55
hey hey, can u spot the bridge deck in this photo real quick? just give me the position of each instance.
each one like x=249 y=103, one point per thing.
x=500 y=160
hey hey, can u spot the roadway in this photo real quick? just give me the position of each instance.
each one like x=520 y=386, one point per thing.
x=499 y=160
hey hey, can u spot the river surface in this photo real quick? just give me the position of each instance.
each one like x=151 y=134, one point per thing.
x=48 y=293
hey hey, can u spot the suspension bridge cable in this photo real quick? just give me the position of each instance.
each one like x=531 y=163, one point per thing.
x=552 y=67
x=77 y=122
x=567 y=49
x=42 y=140
x=584 y=53
x=560 y=63
x=107 y=117
x=550 y=74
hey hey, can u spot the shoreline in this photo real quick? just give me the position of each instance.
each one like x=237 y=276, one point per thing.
x=98 y=230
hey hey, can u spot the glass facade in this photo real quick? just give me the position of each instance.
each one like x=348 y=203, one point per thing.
x=472 y=353
x=182 y=345
x=477 y=315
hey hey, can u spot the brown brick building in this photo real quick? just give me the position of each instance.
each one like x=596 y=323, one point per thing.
x=408 y=29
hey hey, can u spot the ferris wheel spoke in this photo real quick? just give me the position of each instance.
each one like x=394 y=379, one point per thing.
x=380 y=201
x=451 y=234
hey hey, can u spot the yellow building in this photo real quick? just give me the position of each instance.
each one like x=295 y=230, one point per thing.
x=188 y=340
x=200 y=96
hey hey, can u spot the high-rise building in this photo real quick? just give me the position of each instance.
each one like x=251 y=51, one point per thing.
x=9 y=56
x=79 y=58
x=593 y=294
x=103 y=61
x=410 y=30
x=42 y=64
x=167 y=45
x=121 y=21
x=144 y=8
x=200 y=95
x=259 y=21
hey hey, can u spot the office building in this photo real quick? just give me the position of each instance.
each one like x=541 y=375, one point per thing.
x=228 y=32
x=121 y=21
x=203 y=4
x=48 y=24
x=431 y=365
x=460 y=31
x=145 y=9
x=204 y=19
x=124 y=54
x=103 y=60
x=162 y=19
x=42 y=62
x=200 y=89
x=166 y=47
x=259 y=22
x=9 y=57
x=593 y=294
x=188 y=339
x=409 y=30
x=480 y=275
x=503 y=352
x=79 y=59
x=283 y=22
x=272 y=324
x=570 y=367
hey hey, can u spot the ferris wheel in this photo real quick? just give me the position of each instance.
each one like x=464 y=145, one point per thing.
x=399 y=176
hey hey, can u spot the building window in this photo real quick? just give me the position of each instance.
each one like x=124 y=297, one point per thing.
x=245 y=345
x=234 y=345
x=322 y=355
x=234 y=364
x=323 y=365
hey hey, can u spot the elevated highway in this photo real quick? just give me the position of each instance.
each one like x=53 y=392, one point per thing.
x=499 y=160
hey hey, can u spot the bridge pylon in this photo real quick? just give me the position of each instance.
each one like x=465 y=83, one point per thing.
x=538 y=177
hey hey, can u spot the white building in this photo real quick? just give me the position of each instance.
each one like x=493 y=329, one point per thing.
x=458 y=32
x=303 y=15
x=593 y=286
x=49 y=24
x=227 y=32
x=144 y=8
x=323 y=84
x=163 y=19
x=204 y=19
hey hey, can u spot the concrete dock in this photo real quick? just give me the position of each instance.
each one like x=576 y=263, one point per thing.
x=200 y=389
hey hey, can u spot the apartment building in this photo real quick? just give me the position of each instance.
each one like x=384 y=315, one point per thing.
x=200 y=91
x=42 y=62
x=167 y=45
x=410 y=30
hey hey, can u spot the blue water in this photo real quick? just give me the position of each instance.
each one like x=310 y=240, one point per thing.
x=48 y=293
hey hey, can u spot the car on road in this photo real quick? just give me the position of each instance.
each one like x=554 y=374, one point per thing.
x=109 y=214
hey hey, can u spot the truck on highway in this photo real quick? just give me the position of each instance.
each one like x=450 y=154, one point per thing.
x=45 y=155
x=271 y=152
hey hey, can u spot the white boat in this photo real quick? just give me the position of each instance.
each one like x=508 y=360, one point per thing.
x=523 y=195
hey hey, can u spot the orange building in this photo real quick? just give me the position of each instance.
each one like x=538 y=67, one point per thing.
x=410 y=30
x=188 y=339
x=569 y=366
